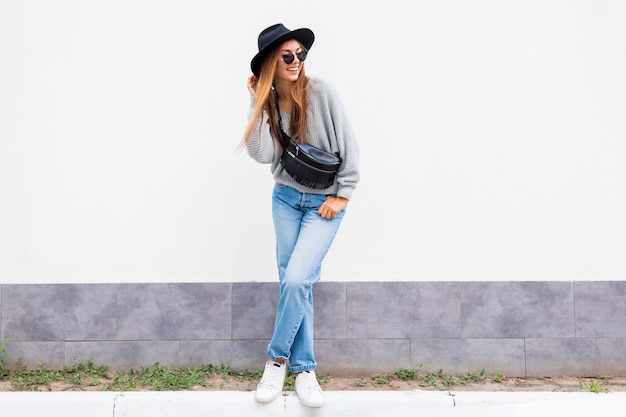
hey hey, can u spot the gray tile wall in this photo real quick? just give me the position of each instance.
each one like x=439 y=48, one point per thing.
x=516 y=328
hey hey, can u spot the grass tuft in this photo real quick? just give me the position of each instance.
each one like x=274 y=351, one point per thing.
x=155 y=378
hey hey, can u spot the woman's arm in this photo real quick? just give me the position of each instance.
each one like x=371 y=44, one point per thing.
x=261 y=145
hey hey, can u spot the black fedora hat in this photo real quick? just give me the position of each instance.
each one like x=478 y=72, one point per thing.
x=274 y=36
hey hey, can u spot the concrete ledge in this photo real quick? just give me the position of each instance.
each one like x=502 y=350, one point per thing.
x=338 y=404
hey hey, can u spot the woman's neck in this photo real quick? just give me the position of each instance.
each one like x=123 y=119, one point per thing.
x=285 y=101
x=283 y=88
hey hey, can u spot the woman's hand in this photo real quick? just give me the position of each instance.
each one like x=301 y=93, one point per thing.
x=332 y=206
x=253 y=83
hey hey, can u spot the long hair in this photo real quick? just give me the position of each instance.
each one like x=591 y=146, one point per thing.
x=266 y=100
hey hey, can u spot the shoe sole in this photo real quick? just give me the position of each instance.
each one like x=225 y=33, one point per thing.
x=311 y=405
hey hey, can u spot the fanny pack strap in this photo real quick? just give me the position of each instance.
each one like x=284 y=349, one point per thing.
x=286 y=137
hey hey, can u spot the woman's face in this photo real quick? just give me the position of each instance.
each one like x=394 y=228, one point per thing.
x=289 y=72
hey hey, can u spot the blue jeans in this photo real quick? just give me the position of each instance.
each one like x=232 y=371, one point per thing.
x=303 y=238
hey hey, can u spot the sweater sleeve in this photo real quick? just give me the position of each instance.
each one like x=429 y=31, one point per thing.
x=348 y=175
x=261 y=146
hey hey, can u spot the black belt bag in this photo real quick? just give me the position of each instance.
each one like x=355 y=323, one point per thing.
x=306 y=164
x=310 y=166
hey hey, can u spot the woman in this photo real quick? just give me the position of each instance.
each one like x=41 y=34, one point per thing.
x=305 y=219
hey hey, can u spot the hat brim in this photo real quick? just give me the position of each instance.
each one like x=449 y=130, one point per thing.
x=304 y=36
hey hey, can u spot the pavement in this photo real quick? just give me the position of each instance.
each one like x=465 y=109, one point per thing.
x=338 y=404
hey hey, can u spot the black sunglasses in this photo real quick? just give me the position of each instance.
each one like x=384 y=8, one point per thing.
x=288 y=58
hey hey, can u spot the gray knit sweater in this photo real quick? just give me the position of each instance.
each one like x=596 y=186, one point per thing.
x=329 y=129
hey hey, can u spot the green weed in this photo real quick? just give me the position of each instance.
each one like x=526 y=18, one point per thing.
x=410 y=374
x=3 y=372
x=473 y=378
x=157 y=378
x=361 y=383
x=381 y=380
x=592 y=386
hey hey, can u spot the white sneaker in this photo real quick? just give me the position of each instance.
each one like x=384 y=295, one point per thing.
x=271 y=385
x=308 y=389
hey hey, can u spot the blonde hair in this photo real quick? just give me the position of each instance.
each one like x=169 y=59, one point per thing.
x=266 y=100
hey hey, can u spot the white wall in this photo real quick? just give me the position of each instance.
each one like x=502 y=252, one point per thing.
x=492 y=134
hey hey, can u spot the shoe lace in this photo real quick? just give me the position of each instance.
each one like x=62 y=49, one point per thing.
x=309 y=381
x=271 y=374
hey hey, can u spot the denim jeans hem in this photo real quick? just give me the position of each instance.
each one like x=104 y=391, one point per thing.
x=277 y=357
x=297 y=369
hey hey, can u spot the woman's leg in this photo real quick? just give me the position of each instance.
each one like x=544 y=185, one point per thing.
x=302 y=349
x=303 y=238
